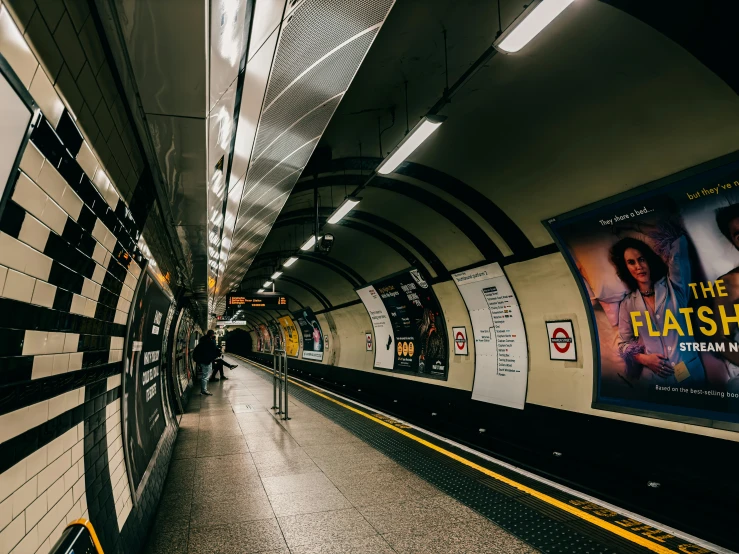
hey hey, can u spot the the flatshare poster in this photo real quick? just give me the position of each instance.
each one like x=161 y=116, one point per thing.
x=660 y=271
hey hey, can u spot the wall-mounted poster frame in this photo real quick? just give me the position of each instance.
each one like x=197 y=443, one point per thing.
x=677 y=225
x=19 y=115
x=410 y=332
x=155 y=296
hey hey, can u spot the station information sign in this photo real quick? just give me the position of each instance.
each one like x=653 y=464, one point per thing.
x=236 y=302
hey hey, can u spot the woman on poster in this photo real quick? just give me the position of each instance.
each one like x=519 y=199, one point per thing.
x=657 y=282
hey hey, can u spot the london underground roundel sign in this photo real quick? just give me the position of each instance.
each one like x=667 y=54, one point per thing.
x=561 y=338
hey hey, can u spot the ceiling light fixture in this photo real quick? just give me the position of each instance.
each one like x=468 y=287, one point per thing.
x=260 y=291
x=290 y=261
x=412 y=140
x=346 y=206
x=267 y=284
x=276 y=274
x=530 y=23
x=307 y=245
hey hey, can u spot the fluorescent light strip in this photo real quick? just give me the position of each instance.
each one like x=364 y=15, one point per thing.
x=276 y=274
x=290 y=261
x=531 y=24
x=260 y=291
x=413 y=140
x=267 y=284
x=342 y=210
x=307 y=245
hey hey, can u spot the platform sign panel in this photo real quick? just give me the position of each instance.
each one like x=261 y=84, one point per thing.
x=501 y=351
x=312 y=335
x=561 y=337
x=144 y=420
x=459 y=335
x=660 y=272
x=290 y=332
x=385 y=352
x=235 y=302
x=415 y=341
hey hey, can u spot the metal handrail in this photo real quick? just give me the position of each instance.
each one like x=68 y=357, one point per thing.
x=78 y=536
x=279 y=383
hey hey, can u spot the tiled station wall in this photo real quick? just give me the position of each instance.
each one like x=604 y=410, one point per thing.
x=67 y=278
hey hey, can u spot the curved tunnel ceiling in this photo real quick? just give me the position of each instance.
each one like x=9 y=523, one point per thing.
x=598 y=104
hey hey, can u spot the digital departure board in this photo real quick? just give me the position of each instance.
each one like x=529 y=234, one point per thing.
x=240 y=302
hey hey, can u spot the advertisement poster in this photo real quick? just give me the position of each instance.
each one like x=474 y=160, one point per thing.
x=265 y=339
x=385 y=352
x=501 y=351
x=661 y=273
x=292 y=344
x=274 y=330
x=409 y=325
x=144 y=420
x=312 y=334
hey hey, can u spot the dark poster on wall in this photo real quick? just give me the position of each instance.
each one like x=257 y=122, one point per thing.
x=660 y=273
x=420 y=339
x=144 y=420
x=312 y=334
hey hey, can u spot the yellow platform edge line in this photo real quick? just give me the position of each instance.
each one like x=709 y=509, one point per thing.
x=623 y=533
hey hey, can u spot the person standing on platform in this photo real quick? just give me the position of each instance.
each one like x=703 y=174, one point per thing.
x=205 y=354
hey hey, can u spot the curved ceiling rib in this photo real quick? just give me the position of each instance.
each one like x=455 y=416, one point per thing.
x=320 y=46
x=341 y=269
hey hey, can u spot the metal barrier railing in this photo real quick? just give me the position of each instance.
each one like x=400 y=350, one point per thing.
x=78 y=538
x=280 y=383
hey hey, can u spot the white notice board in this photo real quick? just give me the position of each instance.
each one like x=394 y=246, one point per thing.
x=15 y=117
x=501 y=351
x=384 y=334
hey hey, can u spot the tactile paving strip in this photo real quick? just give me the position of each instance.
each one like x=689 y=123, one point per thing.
x=541 y=525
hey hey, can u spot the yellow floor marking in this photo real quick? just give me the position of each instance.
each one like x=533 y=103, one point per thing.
x=654 y=547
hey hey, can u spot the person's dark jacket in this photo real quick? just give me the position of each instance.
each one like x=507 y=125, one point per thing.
x=207 y=351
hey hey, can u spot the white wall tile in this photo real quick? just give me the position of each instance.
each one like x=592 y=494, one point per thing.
x=71 y=203
x=79 y=488
x=18 y=286
x=87 y=160
x=54 y=471
x=110 y=240
x=71 y=342
x=32 y=161
x=13 y=253
x=55 y=491
x=55 y=343
x=99 y=231
x=120 y=318
x=34 y=342
x=99 y=254
x=24 y=496
x=61 y=364
x=90 y=289
x=37 y=461
x=6 y=513
x=29 y=196
x=51 y=182
x=90 y=307
x=36 y=415
x=43 y=294
x=99 y=274
x=15 y=49
x=78 y=304
x=55 y=449
x=46 y=97
x=54 y=216
x=34 y=233
x=29 y=543
x=14 y=477
x=36 y=511
x=116 y=343
x=43 y=366
x=38 y=265
x=127 y=293
x=3 y=275
x=115 y=356
x=13 y=533
x=75 y=361
x=114 y=381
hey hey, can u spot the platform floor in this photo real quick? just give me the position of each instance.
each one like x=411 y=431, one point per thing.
x=339 y=479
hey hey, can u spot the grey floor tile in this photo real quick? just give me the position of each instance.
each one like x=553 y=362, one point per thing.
x=364 y=545
x=281 y=441
x=268 y=456
x=297 y=483
x=185 y=449
x=406 y=517
x=287 y=467
x=220 y=446
x=167 y=541
x=500 y=538
x=360 y=494
x=230 y=507
x=211 y=463
x=449 y=539
x=346 y=450
x=306 y=529
x=244 y=538
x=307 y=502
